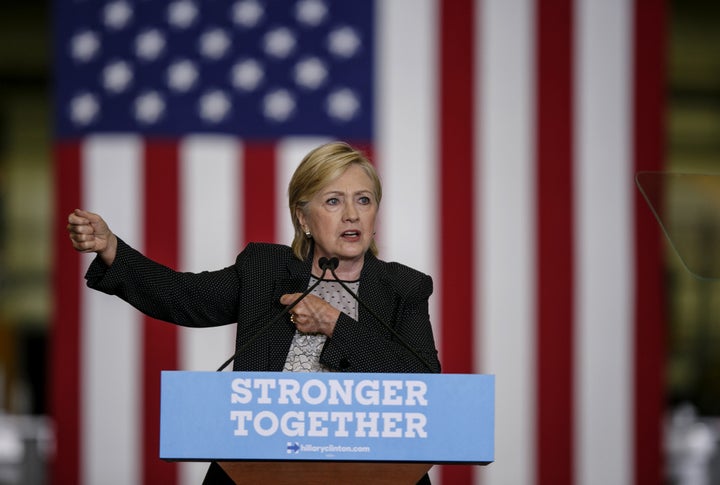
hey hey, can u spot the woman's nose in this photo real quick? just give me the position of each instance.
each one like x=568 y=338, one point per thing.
x=351 y=213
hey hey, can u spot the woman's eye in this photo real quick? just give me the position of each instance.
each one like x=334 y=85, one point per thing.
x=364 y=200
x=332 y=201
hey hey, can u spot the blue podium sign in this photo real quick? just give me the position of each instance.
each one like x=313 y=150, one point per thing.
x=433 y=418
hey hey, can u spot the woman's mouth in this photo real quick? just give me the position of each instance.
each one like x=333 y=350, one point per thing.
x=351 y=235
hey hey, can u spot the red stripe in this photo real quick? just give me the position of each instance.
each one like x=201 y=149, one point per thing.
x=366 y=148
x=650 y=32
x=259 y=191
x=456 y=152
x=456 y=184
x=555 y=252
x=160 y=339
x=66 y=339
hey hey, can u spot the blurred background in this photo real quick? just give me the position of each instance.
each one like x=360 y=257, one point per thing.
x=694 y=146
x=25 y=207
x=26 y=197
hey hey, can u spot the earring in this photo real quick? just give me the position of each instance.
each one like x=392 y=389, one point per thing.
x=307 y=234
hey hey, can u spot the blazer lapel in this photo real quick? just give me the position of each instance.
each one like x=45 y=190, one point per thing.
x=295 y=280
x=376 y=291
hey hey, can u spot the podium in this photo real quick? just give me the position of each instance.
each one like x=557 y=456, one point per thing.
x=274 y=427
x=322 y=473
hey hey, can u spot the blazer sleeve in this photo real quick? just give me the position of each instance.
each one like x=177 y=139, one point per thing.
x=370 y=347
x=204 y=299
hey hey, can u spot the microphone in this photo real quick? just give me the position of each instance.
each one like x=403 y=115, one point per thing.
x=324 y=264
x=328 y=264
x=332 y=266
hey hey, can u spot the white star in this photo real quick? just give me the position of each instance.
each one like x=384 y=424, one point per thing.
x=247 y=13
x=117 y=76
x=311 y=12
x=278 y=105
x=214 y=106
x=342 y=104
x=84 y=109
x=84 y=46
x=279 y=42
x=310 y=73
x=214 y=43
x=344 y=42
x=182 y=14
x=149 y=107
x=117 y=15
x=247 y=74
x=182 y=75
x=149 y=44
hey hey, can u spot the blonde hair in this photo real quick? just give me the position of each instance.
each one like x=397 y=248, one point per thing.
x=320 y=167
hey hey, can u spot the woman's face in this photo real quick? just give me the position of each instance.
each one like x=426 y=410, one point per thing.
x=341 y=216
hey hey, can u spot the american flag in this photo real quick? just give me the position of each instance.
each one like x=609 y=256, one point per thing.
x=507 y=134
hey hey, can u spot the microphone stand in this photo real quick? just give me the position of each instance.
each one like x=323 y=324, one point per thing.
x=332 y=264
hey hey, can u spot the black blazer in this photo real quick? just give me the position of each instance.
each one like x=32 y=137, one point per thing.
x=248 y=293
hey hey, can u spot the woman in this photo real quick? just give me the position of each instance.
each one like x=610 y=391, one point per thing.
x=334 y=196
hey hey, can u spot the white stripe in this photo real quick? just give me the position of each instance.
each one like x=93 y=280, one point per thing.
x=506 y=230
x=290 y=152
x=604 y=246
x=210 y=221
x=406 y=132
x=111 y=338
x=406 y=141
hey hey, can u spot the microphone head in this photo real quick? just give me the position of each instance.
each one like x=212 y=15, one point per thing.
x=330 y=264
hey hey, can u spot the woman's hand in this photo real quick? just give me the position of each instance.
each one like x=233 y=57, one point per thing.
x=90 y=234
x=312 y=314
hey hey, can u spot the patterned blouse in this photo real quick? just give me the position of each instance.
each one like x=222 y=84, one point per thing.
x=304 y=354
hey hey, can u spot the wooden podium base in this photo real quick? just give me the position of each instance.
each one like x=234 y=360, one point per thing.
x=322 y=473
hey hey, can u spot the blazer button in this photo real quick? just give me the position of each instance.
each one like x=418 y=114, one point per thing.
x=344 y=363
